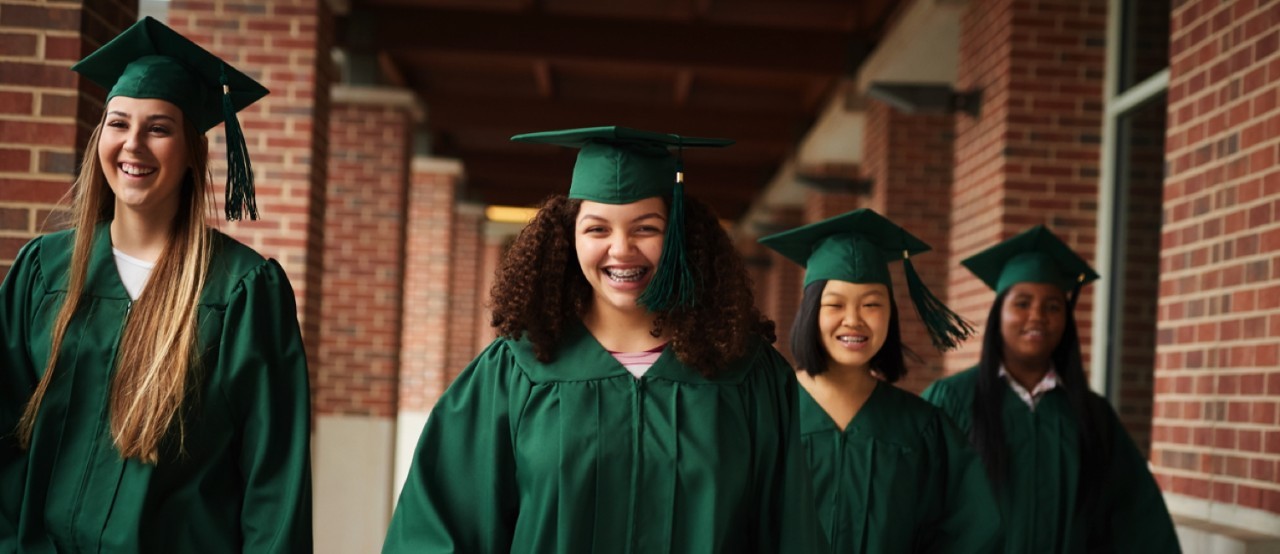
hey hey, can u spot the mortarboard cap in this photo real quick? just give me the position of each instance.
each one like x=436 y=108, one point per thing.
x=619 y=165
x=1035 y=256
x=150 y=60
x=857 y=247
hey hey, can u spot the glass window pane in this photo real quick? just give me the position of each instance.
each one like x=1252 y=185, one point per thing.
x=1136 y=263
x=1144 y=40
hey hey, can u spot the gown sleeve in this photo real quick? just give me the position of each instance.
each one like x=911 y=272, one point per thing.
x=262 y=352
x=1138 y=519
x=969 y=518
x=788 y=515
x=941 y=395
x=460 y=494
x=17 y=382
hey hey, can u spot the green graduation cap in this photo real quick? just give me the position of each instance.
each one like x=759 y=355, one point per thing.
x=857 y=247
x=150 y=60
x=619 y=165
x=1035 y=256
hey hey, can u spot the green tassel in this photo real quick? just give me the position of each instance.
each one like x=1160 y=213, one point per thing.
x=672 y=284
x=240 y=194
x=946 y=328
x=1075 y=293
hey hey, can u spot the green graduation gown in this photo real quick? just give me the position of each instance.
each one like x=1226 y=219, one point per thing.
x=1038 y=500
x=899 y=478
x=577 y=455
x=239 y=482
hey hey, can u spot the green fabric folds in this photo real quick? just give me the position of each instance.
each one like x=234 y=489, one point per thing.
x=577 y=455
x=1038 y=500
x=242 y=481
x=900 y=478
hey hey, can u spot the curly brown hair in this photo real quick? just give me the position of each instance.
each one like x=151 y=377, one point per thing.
x=539 y=289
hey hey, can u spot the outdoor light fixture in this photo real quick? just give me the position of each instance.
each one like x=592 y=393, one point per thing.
x=509 y=214
x=927 y=98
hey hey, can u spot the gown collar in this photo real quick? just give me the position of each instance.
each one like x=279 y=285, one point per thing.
x=580 y=357
x=102 y=278
x=869 y=420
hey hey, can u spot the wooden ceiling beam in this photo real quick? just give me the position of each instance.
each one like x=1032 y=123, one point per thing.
x=695 y=44
x=523 y=115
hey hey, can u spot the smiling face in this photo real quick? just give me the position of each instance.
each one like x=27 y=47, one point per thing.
x=142 y=149
x=1032 y=320
x=854 y=322
x=618 y=247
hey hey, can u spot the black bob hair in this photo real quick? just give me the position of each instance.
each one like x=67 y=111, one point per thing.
x=806 y=339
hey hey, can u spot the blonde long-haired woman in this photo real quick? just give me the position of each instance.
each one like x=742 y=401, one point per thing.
x=153 y=386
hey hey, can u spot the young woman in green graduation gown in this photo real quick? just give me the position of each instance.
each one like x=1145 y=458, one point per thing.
x=153 y=387
x=1067 y=476
x=547 y=443
x=890 y=473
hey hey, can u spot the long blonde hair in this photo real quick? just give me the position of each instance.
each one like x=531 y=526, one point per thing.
x=158 y=348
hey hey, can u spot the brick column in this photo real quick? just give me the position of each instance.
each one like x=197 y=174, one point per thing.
x=1215 y=439
x=908 y=159
x=359 y=366
x=466 y=294
x=783 y=283
x=285 y=45
x=46 y=110
x=819 y=204
x=424 y=373
x=1032 y=156
x=497 y=236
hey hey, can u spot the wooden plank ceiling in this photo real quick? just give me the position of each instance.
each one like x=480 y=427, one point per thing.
x=757 y=71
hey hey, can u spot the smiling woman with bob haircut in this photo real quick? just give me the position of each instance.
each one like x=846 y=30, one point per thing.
x=633 y=402
x=153 y=384
x=890 y=473
x=1067 y=476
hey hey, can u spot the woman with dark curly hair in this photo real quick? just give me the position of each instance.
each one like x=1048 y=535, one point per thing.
x=633 y=402
x=891 y=474
x=1067 y=476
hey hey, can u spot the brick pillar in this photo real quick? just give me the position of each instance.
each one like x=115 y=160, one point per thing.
x=359 y=365
x=466 y=293
x=1032 y=155
x=908 y=159
x=424 y=373
x=285 y=45
x=755 y=257
x=1216 y=439
x=783 y=283
x=820 y=205
x=497 y=236
x=46 y=110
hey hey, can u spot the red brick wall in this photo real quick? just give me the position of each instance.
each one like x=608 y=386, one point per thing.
x=908 y=158
x=46 y=110
x=467 y=293
x=492 y=247
x=359 y=362
x=782 y=284
x=285 y=45
x=1032 y=156
x=424 y=371
x=1215 y=434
